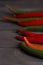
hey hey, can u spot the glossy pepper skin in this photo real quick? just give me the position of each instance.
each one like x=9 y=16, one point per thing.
x=29 y=51
x=33 y=39
x=21 y=19
x=29 y=34
x=32 y=23
x=15 y=11
x=28 y=15
x=35 y=47
x=33 y=28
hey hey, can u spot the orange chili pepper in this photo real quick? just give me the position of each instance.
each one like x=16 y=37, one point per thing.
x=31 y=45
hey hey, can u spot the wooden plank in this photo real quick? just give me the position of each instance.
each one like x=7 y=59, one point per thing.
x=7 y=39
x=13 y=56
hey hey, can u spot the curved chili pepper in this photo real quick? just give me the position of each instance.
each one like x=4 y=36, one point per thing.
x=32 y=23
x=21 y=19
x=35 y=47
x=28 y=15
x=35 y=39
x=29 y=33
x=33 y=28
x=34 y=53
x=15 y=11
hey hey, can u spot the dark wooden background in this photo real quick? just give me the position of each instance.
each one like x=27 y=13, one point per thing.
x=9 y=54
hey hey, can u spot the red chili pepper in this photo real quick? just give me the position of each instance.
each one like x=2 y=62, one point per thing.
x=26 y=33
x=29 y=34
x=32 y=23
x=21 y=38
x=33 y=14
x=35 y=39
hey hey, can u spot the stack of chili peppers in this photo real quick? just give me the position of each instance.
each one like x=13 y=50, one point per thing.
x=31 y=22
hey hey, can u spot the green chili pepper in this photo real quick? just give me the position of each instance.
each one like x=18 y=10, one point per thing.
x=35 y=53
x=15 y=11
x=33 y=28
